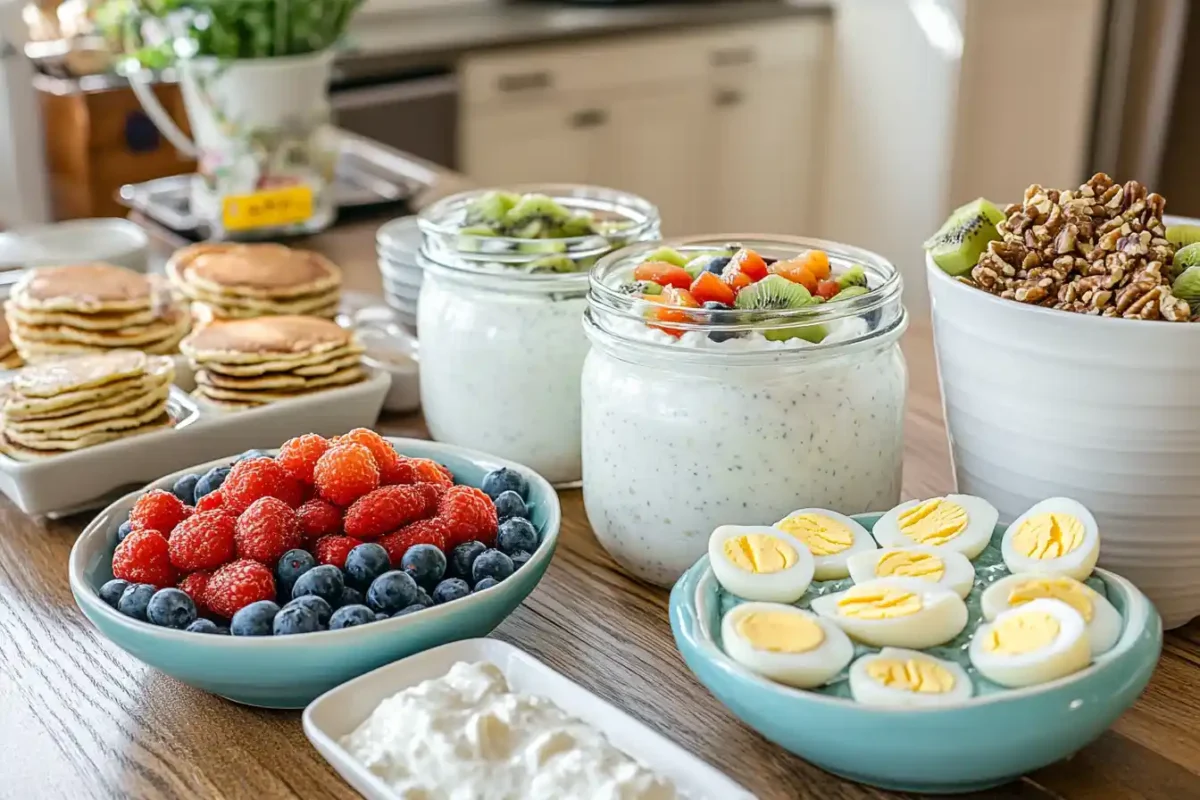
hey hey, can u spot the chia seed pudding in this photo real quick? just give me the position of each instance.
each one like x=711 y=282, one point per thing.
x=723 y=417
x=501 y=346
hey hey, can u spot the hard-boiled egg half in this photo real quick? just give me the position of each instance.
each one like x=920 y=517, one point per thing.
x=1033 y=643
x=1102 y=619
x=939 y=566
x=957 y=522
x=896 y=612
x=785 y=644
x=758 y=562
x=908 y=679
x=832 y=538
x=1056 y=537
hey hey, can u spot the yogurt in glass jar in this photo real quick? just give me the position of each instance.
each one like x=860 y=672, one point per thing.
x=722 y=417
x=501 y=349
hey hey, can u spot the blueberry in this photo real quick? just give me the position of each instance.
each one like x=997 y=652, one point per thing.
x=717 y=265
x=509 y=504
x=111 y=592
x=185 y=489
x=351 y=597
x=206 y=626
x=425 y=563
x=325 y=582
x=381 y=617
x=392 y=591
x=211 y=481
x=350 y=616
x=486 y=583
x=423 y=599
x=503 y=480
x=295 y=618
x=520 y=559
x=365 y=563
x=123 y=531
x=713 y=305
x=316 y=605
x=462 y=557
x=492 y=564
x=249 y=454
x=291 y=566
x=517 y=535
x=171 y=608
x=134 y=600
x=404 y=612
x=450 y=589
x=256 y=619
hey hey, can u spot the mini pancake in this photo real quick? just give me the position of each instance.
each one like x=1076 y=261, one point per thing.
x=114 y=411
x=172 y=324
x=87 y=430
x=100 y=321
x=267 y=271
x=86 y=288
x=279 y=380
x=33 y=452
x=161 y=371
x=83 y=372
x=276 y=395
x=264 y=339
x=304 y=304
x=292 y=364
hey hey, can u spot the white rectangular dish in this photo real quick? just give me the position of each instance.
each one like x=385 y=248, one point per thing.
x=91 y=477
x=339 y=711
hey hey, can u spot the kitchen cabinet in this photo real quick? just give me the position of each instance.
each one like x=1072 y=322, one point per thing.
x=721 y=130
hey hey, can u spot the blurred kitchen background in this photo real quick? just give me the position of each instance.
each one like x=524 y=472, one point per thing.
x=858 y=120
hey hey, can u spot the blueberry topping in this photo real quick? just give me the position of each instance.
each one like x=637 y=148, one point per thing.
x=123 y=531
x=517 y=535
x=492 y=564
x=463 y=557
x=425 y=563
x=210 y=481
x=365 y=563
x=351 y=597
x=404 y=612
x=185 y=489
x=206 y=626
x=111 y=592
x=171 y=608
x=134 y=600
x=486 y=583
x=713 y=305
x=256 y=619
x=502 y=480
x=350 y=616
x=392 y=591
x=520 y=559
x=325 y=582
x=450 y=589
x=291 y=566
x=509 y=504
x=316 y=605
x=717 y=265
x=295 y=618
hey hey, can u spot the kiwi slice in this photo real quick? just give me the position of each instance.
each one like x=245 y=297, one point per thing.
x=777 y=292
x=1183 y=235
x=541 y=246
x=578 y=224
x=667 y=254
x=855 y=276
x=701 y=262
x=638 y=288
x=491 y=208
x=551 y=264
x=963 y=238
x=849 y=292
x=536 y=207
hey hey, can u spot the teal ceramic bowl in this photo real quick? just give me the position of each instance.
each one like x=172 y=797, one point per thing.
x=292 y=671
x=986 y=741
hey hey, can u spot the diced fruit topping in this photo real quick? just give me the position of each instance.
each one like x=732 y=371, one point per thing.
x=666 y=255
x=796 y=270
x=749 y=263
x=345 y=473
x=855 y=276
x=663 y=274
x=158 y=510
x=827 y=290
x=205 y=540
x=709 y=288
x=144 y=557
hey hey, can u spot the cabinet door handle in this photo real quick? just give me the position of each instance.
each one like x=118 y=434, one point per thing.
x=589 y=118
x=524 y=81
x=731 y=56
x=724 y=98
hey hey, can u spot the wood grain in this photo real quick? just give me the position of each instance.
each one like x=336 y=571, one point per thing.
x=81 y=719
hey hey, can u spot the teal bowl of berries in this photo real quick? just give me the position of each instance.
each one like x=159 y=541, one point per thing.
x=272 y=577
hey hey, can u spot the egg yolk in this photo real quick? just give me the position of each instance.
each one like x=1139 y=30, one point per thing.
x=875 y=602
x=1069 y=591
x=780 y=632
x=1047 y=536
x=821 y=535
x=913 y=675
x=934 y=522
x=910 y=564
x=760 y=553
x=1022 y=633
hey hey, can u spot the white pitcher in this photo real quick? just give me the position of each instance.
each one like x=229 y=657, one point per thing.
x=263 y=141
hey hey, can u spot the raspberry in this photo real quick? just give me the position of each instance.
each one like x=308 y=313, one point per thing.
x=334 y=549
x=386 y=509
x=345 y=473
x=386 y=457
x=237 y=585
x=469 y=515
x=143 y=557
x=255 y=478
x=429 y=471
x=158 y=510
x=433 y=493
x=203 y=541
x=318 y=518
x=424 y=531
x=298 y=456
x=211 y=501
x=266 y=530
x=195 y=586
x=398 y=472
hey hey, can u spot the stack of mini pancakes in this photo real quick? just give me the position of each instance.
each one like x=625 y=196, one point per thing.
x=9 y=357
x=241 y=281
x=89 y=308
x=251 y=362
x=81 y=401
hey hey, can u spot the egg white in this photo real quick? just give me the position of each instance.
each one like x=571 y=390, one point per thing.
x=833 y=566
x=1077 y=564
x=943 y=616
x=1069 y=652
x=867 y=691
x=958 y=573
x=1103 y=631
x=785 y=586
x=981 y=523
x=802 y=670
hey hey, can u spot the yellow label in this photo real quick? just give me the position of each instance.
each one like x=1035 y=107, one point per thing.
x=275 y=208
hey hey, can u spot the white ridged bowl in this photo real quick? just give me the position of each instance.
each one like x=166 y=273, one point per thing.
x=1041 y=403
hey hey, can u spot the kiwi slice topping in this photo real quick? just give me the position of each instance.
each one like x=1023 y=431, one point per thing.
x=849 y=292
x=964 y=237
x=777 y=292
x=490 y=208
x=551 y=264
x=855 y=276
x=638 y=288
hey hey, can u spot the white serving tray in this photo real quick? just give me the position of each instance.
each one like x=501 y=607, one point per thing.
x=339 y=711
x=90 y=478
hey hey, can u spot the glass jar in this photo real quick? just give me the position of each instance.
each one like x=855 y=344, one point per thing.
x=722 y=426
x=501 y=346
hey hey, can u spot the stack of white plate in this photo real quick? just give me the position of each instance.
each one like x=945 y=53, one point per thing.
x=397 y=243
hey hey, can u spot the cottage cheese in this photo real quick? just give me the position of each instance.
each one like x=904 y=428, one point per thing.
x=465 y=736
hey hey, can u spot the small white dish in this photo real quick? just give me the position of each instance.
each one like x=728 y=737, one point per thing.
x=113 y=240
x=409 y=275
x=394 y=351
x=401 y=292
x=339 y=711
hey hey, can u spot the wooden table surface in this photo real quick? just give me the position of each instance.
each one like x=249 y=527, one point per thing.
x=80 y=719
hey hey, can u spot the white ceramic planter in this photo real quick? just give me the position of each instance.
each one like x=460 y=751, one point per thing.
x=1042 y=403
